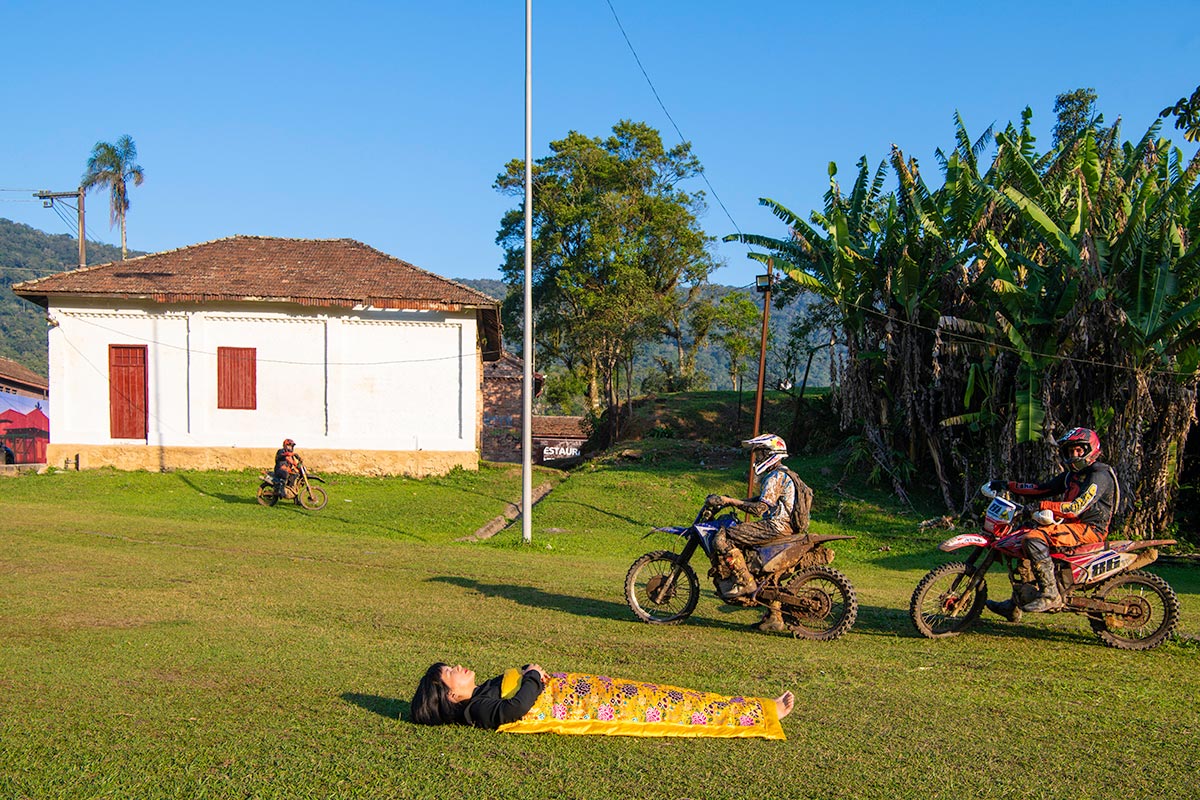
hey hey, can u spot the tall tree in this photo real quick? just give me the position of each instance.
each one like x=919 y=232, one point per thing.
x=1075 y=112
x=114 y=166
x=617 y=248
x=1187 y=115
x=737 y=320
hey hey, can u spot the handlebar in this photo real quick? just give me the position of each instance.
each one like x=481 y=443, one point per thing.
x=1040 y=517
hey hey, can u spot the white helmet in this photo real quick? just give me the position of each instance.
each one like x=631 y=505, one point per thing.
x=769 y=448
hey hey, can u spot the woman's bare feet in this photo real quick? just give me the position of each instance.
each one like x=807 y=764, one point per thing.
x=784 y=703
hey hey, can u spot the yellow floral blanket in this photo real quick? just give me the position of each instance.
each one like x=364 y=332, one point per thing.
x=576 y=703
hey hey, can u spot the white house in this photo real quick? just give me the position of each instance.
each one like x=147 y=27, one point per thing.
x=209 y=356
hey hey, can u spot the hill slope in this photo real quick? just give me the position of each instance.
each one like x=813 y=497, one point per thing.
x=27 y=253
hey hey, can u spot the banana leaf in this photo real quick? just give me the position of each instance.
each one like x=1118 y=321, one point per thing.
x=1030 y=412
x=1035 y=214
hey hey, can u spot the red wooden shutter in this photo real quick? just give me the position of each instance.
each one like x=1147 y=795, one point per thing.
x=127 y=391
x=237 y=377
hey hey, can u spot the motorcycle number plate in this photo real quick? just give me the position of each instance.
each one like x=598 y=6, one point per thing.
x=1002 y=510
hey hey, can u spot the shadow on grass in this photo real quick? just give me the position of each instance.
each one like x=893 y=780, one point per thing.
x=607 y=513
x=872 y=620
x=538 y=598
x=247 y=499
x=388 y=707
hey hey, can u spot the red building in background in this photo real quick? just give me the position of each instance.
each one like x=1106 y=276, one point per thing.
x=24 y=425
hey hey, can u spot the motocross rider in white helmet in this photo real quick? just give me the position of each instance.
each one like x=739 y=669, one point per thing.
x=783 y=504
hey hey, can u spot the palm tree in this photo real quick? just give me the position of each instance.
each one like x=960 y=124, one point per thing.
x=113 y=165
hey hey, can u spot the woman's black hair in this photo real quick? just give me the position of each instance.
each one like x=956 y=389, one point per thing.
x=431 y=703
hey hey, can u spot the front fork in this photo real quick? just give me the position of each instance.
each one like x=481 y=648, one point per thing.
x=966 y=584
x=666 y=589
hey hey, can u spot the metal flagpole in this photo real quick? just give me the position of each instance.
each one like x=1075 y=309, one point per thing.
x=527 y=351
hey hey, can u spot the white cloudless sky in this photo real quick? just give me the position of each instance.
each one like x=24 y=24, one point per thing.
x=388 y=122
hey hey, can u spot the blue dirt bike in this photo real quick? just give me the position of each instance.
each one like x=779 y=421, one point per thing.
x=816 y=601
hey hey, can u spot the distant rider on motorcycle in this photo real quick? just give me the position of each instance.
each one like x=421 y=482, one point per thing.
x=287 y=464
x=1090 y=496
x=783 y=503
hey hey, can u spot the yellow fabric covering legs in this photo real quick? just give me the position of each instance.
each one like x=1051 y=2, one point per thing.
x=575 y=703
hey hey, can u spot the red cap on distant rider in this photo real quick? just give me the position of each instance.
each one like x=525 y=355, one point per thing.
x=1079 y=437
x=289 y=443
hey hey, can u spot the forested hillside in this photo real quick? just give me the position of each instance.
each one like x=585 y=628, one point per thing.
x=711 y=360
x=27 y=253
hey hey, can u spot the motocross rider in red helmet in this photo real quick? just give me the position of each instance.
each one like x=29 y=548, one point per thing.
x=1091 y=494
x=783 y=503
x=287 y=463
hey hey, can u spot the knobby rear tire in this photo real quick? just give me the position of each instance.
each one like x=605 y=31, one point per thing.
x=832 y=602
x=1153 y=595
x=266 y=495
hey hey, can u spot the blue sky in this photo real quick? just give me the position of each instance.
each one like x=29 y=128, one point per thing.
x=387 y=122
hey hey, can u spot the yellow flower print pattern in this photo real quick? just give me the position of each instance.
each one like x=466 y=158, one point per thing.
x=575 y=703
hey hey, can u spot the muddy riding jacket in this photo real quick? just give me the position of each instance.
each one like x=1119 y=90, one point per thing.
x=1089 y=496
x=777 y=498
x=783 y=503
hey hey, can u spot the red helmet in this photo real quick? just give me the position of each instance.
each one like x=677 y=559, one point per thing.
x=1076 y=437
x=289 y=443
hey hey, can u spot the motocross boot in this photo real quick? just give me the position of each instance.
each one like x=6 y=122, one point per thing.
x=772 y=621
x=743 y=581
x=1043 y=569
x=1007 y=609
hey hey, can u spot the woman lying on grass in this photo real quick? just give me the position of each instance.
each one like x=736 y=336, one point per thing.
x=530 y=700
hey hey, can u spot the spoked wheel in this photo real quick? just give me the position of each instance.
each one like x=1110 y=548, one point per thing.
x=947 y=601
x=819 y=604
x=661 y=589
x=1151 y=611
x=313 y=498
x=266 y=495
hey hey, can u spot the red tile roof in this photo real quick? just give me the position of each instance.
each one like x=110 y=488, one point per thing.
x=16 y=373
x=561 y=427
x=316 y=272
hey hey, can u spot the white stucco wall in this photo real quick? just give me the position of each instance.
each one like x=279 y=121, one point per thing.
x=330 y=379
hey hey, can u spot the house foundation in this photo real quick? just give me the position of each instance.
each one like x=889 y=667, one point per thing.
x=414 y=463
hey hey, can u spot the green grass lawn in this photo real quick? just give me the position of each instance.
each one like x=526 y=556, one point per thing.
x=165 y=636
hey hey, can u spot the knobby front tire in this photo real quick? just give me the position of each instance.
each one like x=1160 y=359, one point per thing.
x=660 y=589
x=313 y=499
x=947 y=601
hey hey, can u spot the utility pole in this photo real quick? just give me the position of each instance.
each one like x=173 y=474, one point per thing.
x=48 y=198
x=528 y=352
x=762 y=284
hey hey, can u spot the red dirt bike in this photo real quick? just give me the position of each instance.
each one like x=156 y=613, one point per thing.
x=299 y=488
x=1127 y=608
x=816 y=601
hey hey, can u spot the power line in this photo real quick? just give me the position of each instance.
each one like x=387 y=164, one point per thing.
x=663 y=106
x=194 y=351
x=966 y=337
